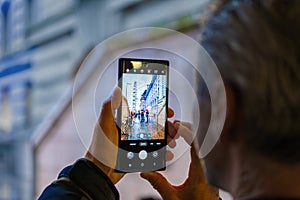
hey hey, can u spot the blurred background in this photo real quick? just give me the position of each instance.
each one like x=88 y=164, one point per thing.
x=41 y=44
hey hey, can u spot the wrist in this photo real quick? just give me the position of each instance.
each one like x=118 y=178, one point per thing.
x=110 y=172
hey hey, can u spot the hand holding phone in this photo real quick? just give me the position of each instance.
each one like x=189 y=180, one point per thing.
x=102 y=150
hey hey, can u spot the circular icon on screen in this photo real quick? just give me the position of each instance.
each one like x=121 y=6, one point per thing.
x=130 y=155
x=143 y=155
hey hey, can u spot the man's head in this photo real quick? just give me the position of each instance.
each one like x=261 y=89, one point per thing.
x=256 y=46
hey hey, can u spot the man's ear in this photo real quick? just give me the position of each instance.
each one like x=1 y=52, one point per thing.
x=231 y=121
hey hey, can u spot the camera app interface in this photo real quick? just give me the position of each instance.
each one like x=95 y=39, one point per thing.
x=144 y=87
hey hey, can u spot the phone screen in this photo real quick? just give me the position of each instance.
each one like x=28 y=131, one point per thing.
x=142 y=116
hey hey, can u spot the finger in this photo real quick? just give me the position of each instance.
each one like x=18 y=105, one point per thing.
x=116 y=98
x=184 y=132
x=196 y=170
x=106 y=113
x=160 y=183
x=172 y=131
x=176 y=120
x=171 y=142
x=186 y=124
x=106 y=119
x=196 y=175
x=170 y=112
x=169 y=156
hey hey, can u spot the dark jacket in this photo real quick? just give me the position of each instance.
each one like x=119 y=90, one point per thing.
x=83 y=181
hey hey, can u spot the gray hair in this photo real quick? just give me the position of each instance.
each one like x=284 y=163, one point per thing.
x=255 y=44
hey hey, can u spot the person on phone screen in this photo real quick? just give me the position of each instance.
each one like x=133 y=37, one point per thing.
x=256 y=46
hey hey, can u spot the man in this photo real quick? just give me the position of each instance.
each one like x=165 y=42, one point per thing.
x=255 y=44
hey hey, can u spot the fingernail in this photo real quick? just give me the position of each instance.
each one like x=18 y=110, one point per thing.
x=177 y=124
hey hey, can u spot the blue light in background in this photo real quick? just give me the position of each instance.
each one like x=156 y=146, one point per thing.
x=5 y=7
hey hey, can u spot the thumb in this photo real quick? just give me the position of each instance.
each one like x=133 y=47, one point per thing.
x=160 y=183
x=116 y=98
x=109 y=106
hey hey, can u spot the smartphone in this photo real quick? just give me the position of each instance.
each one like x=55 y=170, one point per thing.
x=142 y=116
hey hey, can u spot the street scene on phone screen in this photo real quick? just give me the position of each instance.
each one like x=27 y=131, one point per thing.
x=143 y=106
